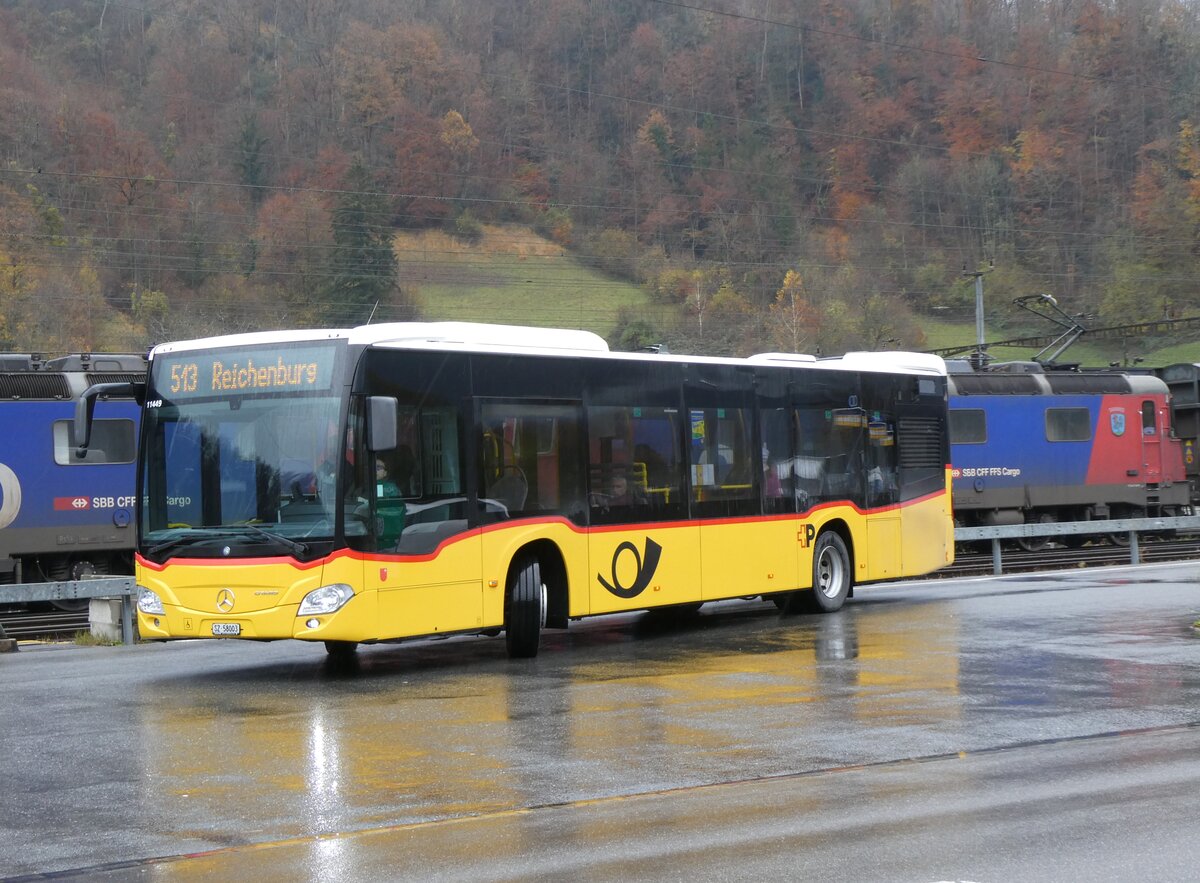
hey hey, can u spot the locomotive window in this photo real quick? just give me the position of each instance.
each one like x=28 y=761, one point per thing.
x=968 y=426
x=1148 y=418
x=1068 y=424
x=112 y=441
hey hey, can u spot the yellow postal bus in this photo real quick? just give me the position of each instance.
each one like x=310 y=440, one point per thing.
x=397 y=480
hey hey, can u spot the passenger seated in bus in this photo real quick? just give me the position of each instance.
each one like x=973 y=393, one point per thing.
x=772 y=486
x=623 y=494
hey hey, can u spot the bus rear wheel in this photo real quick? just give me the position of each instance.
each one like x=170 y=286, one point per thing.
x=830 y=576
x=524 y=609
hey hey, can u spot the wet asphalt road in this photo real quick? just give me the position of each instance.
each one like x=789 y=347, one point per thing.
x=1027 y=727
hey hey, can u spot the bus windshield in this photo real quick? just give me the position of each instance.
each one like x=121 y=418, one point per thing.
x=255 y=474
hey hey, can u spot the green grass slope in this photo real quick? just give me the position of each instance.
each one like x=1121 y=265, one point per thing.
x=512 y=276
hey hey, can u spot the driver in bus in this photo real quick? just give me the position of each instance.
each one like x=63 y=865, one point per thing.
x=384 y=486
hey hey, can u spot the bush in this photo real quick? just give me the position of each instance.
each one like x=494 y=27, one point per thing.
x=467 y=228
x=633 y=332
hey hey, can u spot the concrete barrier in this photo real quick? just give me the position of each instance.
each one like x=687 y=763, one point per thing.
x=7 y=644
x=105 y=619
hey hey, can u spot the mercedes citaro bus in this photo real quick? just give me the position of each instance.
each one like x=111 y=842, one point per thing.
x=399 y=480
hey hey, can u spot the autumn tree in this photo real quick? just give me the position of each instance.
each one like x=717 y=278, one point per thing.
x=362 y=271
x=296 y=235
x=250 y=159
x=794 y=321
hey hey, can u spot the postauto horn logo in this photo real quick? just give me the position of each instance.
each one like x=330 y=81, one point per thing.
x=646 y=565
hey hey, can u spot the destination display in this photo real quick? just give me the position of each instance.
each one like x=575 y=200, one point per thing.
x=245 y=371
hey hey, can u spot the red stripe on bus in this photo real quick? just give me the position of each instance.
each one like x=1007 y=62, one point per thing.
x=528 y=522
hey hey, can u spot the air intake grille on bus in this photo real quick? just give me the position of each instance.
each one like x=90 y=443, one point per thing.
x=920 y=443
x=28 y=385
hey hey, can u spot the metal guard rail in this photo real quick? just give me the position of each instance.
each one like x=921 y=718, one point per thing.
x=121 y=587
x=1130 y=526
x=124 y=587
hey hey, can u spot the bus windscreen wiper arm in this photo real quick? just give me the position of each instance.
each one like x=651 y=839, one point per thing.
x=187 y=539
x=225 y=533
x=298 y=548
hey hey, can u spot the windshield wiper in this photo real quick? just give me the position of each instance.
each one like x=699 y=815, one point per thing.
x=292 y=545
x=196 y=536
x=200 y=535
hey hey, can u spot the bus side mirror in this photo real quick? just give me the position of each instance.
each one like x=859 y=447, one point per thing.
x=381 y=423
x=85 y=408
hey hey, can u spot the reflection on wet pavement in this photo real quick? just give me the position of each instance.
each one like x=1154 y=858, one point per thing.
x=237 y=743
x=415 y=732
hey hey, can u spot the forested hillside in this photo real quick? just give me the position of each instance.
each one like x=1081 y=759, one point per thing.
x=773 y=174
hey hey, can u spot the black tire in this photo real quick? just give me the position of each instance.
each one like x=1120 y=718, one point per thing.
x=524 y=609
x=831 y=576
x=339 y=650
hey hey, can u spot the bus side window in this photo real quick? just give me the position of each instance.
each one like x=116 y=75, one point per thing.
x=530 y=459
x=634 y=468
x=776 y=459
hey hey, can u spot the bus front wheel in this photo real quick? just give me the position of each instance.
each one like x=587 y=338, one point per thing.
x=525 y=609
x=830 y=575
x=341 y=650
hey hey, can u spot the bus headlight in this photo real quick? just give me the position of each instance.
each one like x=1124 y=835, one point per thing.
x=148 y=601
x=325 y=599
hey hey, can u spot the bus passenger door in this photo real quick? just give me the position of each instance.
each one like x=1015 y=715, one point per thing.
x=884 y=540
x=741 y=553
x=429 y=575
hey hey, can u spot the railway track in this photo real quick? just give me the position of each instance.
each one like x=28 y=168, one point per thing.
x=43 y=624
x=1096 y=554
